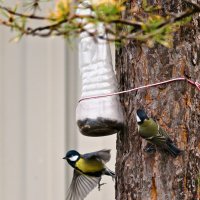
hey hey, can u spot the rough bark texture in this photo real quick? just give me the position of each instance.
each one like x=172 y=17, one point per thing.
x=176 y=106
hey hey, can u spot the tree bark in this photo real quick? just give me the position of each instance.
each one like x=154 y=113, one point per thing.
x=176 y=107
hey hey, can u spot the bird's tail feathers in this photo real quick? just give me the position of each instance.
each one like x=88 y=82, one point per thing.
x=172 y=149
x=109 y=172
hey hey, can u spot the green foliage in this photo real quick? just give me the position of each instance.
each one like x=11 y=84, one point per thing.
x=33 y=5
x=147 y=26
x=62 y=10
x=19 y=26
x=159 y=29
x=148 y=8
x=108 y=10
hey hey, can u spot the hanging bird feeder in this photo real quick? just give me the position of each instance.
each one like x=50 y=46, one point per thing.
x=97 y=116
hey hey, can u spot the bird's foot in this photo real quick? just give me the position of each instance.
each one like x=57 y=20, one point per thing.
x=99 y=185
x=150 y=148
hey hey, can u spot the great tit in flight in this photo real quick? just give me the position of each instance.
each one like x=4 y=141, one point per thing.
x=88 y=169
x=154 y=134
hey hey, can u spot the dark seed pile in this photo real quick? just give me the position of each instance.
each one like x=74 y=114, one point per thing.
x=99 y=127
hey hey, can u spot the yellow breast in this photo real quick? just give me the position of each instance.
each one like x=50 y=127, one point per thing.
x=89 y=166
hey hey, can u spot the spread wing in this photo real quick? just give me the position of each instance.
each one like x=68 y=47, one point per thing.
x=102 y=155
x=81 y=186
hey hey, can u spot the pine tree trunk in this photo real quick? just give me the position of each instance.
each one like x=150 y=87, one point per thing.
x=176 y=107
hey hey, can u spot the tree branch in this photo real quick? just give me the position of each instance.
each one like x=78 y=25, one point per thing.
x=73 y=21
x=23 y=15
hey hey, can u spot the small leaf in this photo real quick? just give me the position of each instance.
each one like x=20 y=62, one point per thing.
x=17 y=38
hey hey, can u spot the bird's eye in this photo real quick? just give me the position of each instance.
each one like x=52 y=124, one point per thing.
x=73 y=158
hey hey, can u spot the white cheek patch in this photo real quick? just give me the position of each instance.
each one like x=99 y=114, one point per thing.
x=73 y=158
x=138 y=119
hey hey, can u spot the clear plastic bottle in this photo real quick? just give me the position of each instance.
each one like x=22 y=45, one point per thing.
x=100 y=116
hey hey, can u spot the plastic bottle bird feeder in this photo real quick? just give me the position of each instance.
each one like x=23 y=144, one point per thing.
x=100 y=116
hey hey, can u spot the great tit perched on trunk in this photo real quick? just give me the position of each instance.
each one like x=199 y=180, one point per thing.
x=88 y=169
x=154 y=134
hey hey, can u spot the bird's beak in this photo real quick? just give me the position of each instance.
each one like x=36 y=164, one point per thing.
x=64 y=158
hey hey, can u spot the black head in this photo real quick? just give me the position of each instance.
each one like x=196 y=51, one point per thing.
x=72 y=157
x=141 y=116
